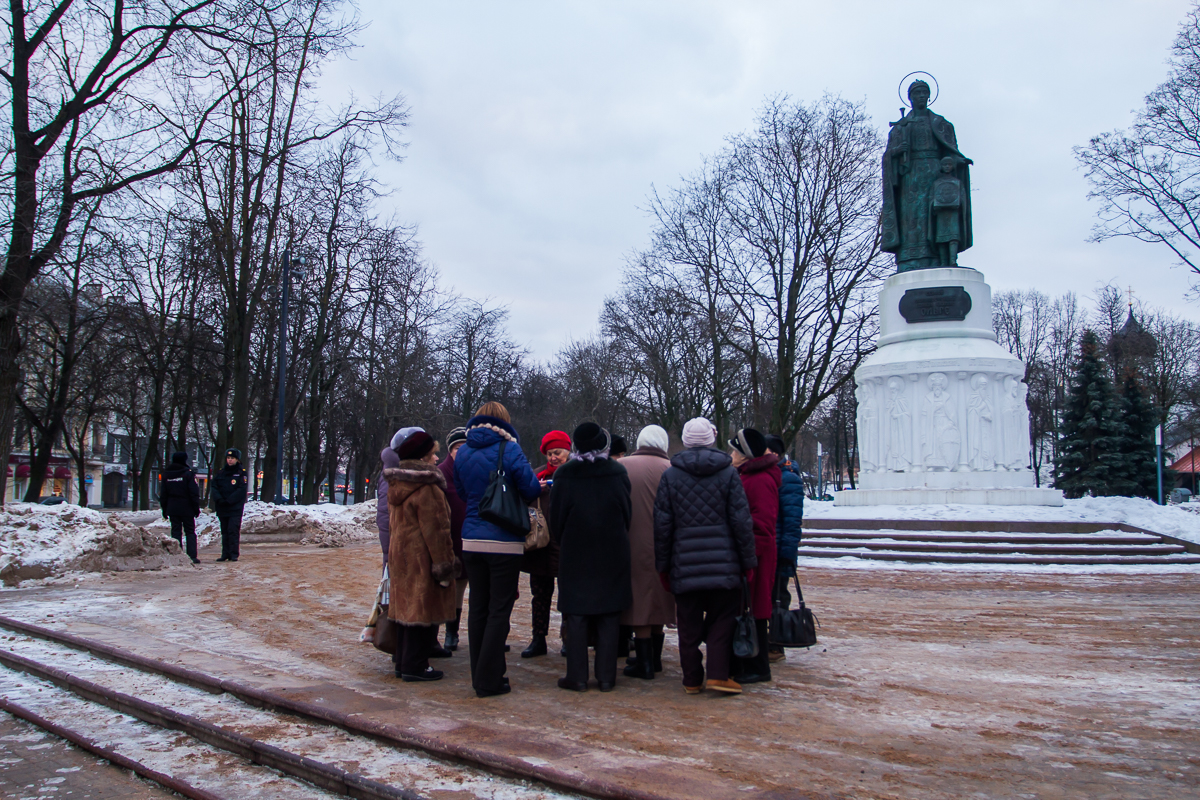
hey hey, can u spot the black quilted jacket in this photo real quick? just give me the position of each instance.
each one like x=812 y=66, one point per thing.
x=703 y=534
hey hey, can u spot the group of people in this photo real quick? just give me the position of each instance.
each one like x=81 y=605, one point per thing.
x=179 y=498
x=637 y=542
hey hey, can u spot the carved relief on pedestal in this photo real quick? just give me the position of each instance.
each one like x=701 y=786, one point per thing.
x=980 y=438
x=868 y=427
x=1016 y=424
x=898 y=426
x=940 y=437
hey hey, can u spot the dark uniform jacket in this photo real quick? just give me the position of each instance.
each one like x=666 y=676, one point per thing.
x=178 y=492
x=229 y=490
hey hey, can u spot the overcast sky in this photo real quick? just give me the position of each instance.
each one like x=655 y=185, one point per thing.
x=538 y=128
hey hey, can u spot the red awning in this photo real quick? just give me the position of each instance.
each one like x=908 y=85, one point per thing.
x=61 y=472
x=22 y=470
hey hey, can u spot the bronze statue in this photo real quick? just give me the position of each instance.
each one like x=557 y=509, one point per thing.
x=926 y=189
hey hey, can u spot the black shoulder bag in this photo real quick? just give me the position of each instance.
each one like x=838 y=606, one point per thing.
x=793 y=627
x=501 y=503
x=745 y=634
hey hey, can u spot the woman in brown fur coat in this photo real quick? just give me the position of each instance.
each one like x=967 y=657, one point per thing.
x=421 y=560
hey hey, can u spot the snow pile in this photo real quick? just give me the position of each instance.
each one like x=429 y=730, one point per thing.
x=1177 y=521
x=324 y=525
x=41 y=541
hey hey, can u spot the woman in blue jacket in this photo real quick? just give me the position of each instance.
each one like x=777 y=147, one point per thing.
x=491 y=554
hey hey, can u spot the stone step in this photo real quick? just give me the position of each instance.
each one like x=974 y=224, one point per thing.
x=980 y=538
x=1074 y=548
x=987 y=558
x=967 y=526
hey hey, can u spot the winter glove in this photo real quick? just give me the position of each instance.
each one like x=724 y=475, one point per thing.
x=664 y=580
x=750 y=575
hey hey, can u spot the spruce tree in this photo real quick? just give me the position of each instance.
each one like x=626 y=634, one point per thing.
x=1092 y=433
x=1137 y=472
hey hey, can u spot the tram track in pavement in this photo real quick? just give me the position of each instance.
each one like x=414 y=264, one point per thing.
x=206 y=737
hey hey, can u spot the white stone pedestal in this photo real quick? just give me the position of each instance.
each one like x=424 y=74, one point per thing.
x=941 y=406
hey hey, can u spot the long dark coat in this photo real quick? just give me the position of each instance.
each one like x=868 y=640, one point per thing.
x=652 y=604
x=590 y=511
x=421 y=552
x=761 y=479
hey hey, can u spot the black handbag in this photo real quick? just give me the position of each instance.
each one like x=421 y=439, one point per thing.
x=793 y=627
x=745 y=633
x=501 y=503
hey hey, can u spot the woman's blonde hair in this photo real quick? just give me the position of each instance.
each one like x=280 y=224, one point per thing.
x=494 y=409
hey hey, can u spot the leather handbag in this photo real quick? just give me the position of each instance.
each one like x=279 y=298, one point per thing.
x=386 y=632
x=501 y=503
x=539 y=530
x=745 y=634
x=793 y=627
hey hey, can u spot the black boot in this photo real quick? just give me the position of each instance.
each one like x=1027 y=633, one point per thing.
x=537 y=647
x=452 y=632
x=438 y=651
x=643 y=665
x=658 y=639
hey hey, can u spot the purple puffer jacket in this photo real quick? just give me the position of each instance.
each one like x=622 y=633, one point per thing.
x=390 y=461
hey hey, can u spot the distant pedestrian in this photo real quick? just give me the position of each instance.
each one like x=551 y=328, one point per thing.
x=653 y=606
x=759 y=470
x=458 y=514
x=703 y=546
x=788 y=529
x=179 y=496
x=229 y=499
x=542 y=564
x=589 y=518
x=492 y=554
x=421 y=561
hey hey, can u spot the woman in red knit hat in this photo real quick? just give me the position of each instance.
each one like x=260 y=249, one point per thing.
x=542 y=564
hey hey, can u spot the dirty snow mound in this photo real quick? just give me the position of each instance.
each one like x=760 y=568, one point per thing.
x=323 y=525
x=42 y=541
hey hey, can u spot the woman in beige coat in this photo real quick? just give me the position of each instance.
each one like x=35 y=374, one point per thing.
x=652 y=606
x=421 y=562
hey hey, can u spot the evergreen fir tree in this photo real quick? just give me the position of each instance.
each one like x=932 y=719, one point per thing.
x=1137 y=474
x=1092 y=432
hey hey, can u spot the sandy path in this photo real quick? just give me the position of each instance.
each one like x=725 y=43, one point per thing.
x=925 y=685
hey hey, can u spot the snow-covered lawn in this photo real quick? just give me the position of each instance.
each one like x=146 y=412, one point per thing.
x=1178 y=521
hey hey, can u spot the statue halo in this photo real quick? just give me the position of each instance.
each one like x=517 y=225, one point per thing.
x=921 y=74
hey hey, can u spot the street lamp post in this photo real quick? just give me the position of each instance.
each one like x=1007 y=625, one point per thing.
x=1158 y=459
x=820 y=474
x=288 y=263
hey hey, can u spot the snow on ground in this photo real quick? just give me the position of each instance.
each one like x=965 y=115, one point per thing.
x=1178 y=521
x=38 y=541
x=323 y=525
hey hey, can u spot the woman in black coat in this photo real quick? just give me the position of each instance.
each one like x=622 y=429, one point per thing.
x=590 y=510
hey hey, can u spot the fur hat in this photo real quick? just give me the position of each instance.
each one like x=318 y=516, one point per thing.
x=699 y=432
x=179 y=458
x=749 y=443
x=775 y=444
x=618 y=448
x=417 y=445
x=233 y=452
x=455 y=436
x=555 y=440
x=654 y=436
x=589 y=437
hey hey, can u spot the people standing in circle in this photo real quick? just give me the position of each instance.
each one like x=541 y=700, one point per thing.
x=589 y=518
x=229 y=499
x=542 y=564
x=787 y=530
x=492 y=554
x=179 y=496
x=652 y=606
x=703 y=545
x=458 y=513
x=759 y=471
x=421 y=561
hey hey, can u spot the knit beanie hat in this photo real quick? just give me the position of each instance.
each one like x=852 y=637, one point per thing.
x=555 y=440
x=418 y=445
x=233 y=452
x=399 y=436
x=749 y=443
x=698 y=432
x=654 y=436
x=589 y=437
x=179 y=458
x=775 y=444
x=455 y=436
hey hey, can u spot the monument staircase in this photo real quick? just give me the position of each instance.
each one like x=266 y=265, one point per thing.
x=992 y=542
